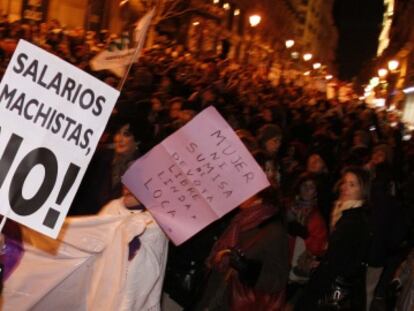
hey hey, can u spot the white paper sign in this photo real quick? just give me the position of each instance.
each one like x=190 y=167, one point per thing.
x=195 y=176
x=52 y=115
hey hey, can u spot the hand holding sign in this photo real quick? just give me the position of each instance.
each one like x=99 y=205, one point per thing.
x=195 y=176
x=51 y=118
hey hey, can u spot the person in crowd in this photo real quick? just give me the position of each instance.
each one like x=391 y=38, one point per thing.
x=249 y=262
x=102 y=181
x=333 y=134
x=360 y=149
x=338 y=281
x=147 y=255
x=308 y=234
x=316 y=165
x=387 y=248
x=381 y=155
x=270 y=139
x=402 y=284
x=292 y=164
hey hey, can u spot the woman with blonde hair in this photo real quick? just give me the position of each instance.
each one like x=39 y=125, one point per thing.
x=338 y=282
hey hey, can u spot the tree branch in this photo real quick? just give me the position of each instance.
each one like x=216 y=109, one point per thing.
x=176 y=14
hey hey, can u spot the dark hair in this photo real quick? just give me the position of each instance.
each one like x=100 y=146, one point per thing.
x=120 y=121
x=260 y=157
x=363 y=178
x=269 y=131
x=302 y=178
x=270 y=195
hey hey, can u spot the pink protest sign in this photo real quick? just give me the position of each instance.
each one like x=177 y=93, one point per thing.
x=195 y=176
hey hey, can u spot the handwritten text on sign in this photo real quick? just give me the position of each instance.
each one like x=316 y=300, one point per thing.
x=51 y=118
x=195 y=176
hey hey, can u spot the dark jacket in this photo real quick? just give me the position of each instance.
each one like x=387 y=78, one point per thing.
x=271 y=250
x=96 y=188
x=344 y=258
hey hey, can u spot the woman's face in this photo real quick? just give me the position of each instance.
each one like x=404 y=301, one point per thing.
x=267 y=115
x=124 y=141
x=272 y=145
x=175 y=110
x=156 y=104
x=315 y=164
x=378 y=157
x=307 y=190
x=350 y=189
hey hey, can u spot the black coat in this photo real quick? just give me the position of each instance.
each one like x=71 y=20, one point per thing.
x=345 y=257
x=96 y=188
x=271 y=250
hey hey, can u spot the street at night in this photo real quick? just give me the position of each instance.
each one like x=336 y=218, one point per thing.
x=207 y=155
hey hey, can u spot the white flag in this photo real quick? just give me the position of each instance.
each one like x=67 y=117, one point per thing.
x=116 y=61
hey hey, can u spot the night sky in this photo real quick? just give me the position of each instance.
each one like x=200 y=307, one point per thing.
x=359 y=24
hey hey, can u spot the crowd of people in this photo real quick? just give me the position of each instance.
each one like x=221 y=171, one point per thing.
x=335 y=229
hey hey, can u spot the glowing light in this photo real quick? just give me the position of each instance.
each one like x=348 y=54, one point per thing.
x=306 y=73
x=226 y=6
x=196 y=23
x=407 y=137
x=382 y=72
x=216 y=1
x=368 y=89
x=317 y=66
x=374 y=81
x=254 y=20
x=409 y=90
x=289 y=43
x=379 y=102
x=236 y=12
x=294 y=55
x=307 y=57
x=393 y=65
x=328 y=77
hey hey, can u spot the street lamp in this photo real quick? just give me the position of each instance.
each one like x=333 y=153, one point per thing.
x=294 y=55
x=289 y=43
x=393 y=65
x=375 y=81
x=382 y=72
x=316 y=66
x=307 y=57
x=254 y=20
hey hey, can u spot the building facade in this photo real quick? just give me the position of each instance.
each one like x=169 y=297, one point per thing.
x=312 y=25
x=210 y=27
x=397 y=44
x=91 y=14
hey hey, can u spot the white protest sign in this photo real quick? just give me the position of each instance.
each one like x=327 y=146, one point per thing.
x=195 y=176
x=52 y=115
